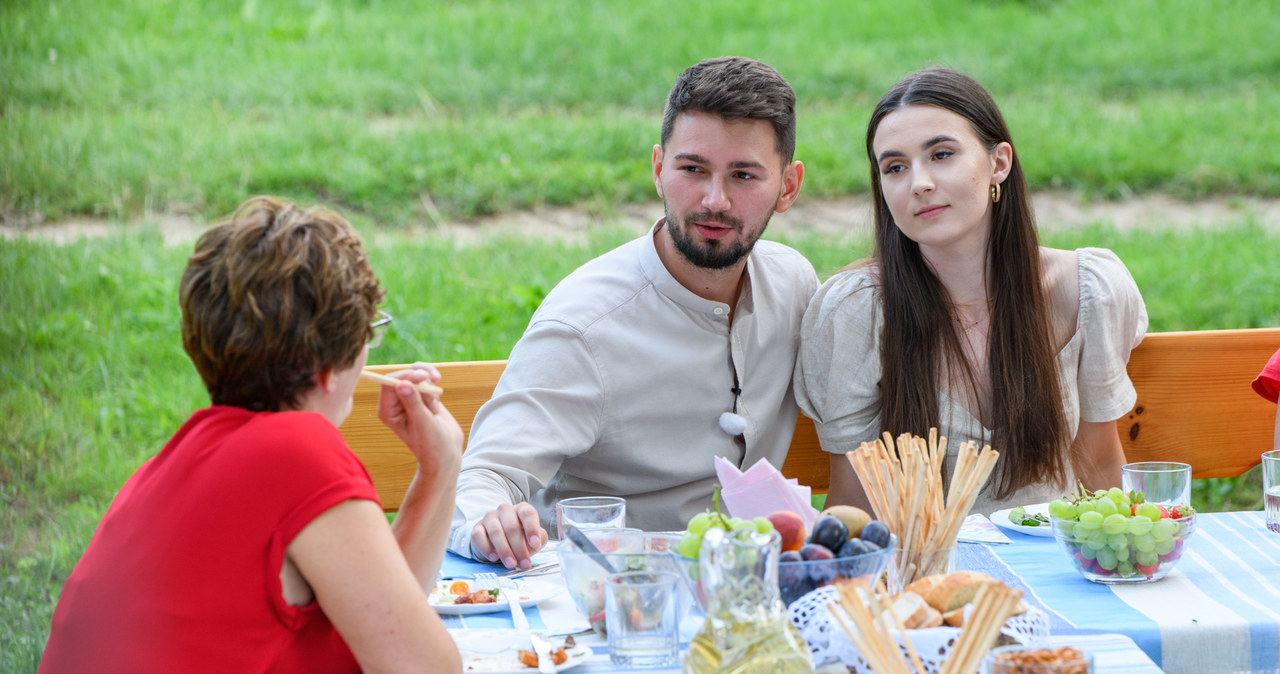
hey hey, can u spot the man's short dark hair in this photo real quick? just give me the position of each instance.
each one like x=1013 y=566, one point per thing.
x=736 y=88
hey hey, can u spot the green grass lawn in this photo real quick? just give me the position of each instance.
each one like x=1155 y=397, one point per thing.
x=123 y=108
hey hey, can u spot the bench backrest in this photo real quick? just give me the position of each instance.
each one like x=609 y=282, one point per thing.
x=1194 y=405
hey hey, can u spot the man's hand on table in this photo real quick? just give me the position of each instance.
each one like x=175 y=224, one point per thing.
x=510 y=534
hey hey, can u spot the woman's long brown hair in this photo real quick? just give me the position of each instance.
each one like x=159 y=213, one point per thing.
x=919 y=342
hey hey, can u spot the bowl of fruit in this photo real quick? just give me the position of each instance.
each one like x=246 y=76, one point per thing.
x=1115 y=537
x=844 y=543
x=623 y=550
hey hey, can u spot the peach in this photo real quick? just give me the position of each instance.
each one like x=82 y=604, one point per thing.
x=791 y=527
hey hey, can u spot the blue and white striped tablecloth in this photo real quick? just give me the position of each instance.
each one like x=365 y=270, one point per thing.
x=1217 y=611
x=1113 y=653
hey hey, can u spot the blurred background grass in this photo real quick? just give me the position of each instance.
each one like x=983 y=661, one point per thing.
x=127 y=107
x=133 y=111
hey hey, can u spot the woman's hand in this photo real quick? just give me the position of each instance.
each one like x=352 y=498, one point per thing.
x=422 y=421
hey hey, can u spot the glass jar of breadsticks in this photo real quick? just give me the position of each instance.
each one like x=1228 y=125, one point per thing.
x=903 y=482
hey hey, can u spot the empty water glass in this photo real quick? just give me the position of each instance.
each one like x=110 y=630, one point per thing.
x=1166 y=483
x=642 y=622
x=1271 y=487
x=590 y=512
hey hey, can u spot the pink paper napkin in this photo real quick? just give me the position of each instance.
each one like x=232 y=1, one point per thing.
x=762 y=490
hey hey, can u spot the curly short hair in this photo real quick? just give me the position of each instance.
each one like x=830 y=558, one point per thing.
x=273 y=296
x=736 y=88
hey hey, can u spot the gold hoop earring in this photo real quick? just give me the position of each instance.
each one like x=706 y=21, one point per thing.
x=995 y=193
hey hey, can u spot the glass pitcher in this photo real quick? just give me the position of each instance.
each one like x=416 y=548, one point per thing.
x=746 y=628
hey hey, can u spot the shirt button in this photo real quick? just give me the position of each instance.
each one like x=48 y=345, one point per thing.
x=719 y=310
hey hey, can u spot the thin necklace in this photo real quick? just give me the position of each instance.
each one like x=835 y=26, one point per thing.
x=967 y=328
x=973 y=324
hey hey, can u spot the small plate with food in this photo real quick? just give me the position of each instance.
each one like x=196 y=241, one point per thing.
x=1032 y=520
x=507 y=651
x=463 y=597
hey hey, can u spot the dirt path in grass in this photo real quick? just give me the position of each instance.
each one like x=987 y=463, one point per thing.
x=825 y=216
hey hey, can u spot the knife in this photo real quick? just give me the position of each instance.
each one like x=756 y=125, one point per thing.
x=580 y=539
x=543 y=648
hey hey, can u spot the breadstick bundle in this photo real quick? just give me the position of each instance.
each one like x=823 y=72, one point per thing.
x=903 y=481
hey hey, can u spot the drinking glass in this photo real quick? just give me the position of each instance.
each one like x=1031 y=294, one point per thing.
x=1166 y=483
x=642 y=622
x=908 y=565
x=590 y=512
x=1271 y=487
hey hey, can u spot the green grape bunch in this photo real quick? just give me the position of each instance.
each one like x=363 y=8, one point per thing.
x=691 y=542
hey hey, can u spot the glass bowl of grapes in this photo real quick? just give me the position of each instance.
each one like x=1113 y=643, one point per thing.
x=1114 y=537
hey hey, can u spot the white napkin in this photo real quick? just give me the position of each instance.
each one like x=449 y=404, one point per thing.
x=976 y=528
x=559 y=613
x=762 y=490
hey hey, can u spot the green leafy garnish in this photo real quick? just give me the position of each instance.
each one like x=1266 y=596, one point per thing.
x=1019 y=516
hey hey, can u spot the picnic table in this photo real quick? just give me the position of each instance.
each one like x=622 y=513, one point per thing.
x=1113 y=653
x=1217 y=611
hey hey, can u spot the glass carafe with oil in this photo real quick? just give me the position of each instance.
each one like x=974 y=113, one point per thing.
x=746 y=628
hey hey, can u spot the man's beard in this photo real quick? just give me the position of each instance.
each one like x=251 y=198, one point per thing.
x=713 y=253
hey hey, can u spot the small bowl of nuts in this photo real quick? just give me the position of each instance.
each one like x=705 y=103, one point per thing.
x=1019 y=659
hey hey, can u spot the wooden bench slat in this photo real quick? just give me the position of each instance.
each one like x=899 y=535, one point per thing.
x=1195 y=405
x=467 y=386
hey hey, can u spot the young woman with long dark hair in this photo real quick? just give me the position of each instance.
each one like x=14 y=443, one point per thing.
x=961 y=320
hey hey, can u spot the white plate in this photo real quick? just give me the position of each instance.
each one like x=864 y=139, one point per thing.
x=495 y=651
x=1000 y=518
x=530 y=592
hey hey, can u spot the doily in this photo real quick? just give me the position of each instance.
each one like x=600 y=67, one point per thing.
x=828 y=641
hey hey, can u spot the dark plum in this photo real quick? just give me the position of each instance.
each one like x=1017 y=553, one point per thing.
x=856 y=546
x=790 y=575
x=829 y=531
x=821 y=573
x=815 y=552
x=876 y=532
x=855 y=558
x=793 y=591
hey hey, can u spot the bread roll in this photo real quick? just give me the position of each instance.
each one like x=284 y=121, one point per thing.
x=914 y=612
x=921 y=586
x=932 y=619
x=956 y=590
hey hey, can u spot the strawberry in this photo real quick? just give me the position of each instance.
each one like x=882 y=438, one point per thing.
x=1147 y=570
x=1175 y=553
x=1164 y=512
x=598 y=620
x=1082 y=561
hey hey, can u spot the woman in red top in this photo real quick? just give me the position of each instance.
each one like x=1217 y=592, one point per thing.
x=254 y=540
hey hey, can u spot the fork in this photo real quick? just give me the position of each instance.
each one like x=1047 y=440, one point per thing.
x=490 y=581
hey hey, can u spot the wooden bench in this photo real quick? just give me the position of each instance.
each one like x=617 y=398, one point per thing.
x=1194 y=405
